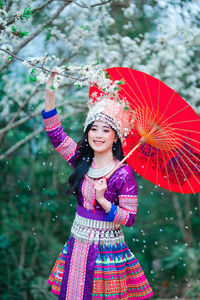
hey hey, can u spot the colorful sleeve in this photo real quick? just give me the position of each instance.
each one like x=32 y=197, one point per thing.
x=125 y=212
x=60 y=140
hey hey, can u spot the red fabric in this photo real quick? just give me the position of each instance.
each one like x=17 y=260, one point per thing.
x=171 y=158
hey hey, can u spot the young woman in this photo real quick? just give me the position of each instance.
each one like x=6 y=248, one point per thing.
x=95 y=262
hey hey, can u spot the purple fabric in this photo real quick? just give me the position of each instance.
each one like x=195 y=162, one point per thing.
x=57 y=136
x=92 y=255
x=89 y=214
x=131 y=220
x=62 y=294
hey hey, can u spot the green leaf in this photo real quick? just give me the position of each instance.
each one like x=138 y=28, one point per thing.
x=32 y=77
x=48 y=36
x=78 y=85
x=52 y=87
x=23 y=33
x=86 y=28
x=13 y=29
x=27 y=13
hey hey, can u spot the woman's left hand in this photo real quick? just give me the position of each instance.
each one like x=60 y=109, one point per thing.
x=100 y=187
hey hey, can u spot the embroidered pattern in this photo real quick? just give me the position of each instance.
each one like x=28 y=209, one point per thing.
x=52 y=123
x=88 y=192
x=129 y=203
x=122 y=216
x=118 y=275
x=76 y=280
x=67 y=148
x=55 y=278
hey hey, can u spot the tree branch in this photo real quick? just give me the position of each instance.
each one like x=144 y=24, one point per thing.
x=30 y=136
x=37 y=32
x=36 y=66
x=33 y=12
x=10 y=3
x=42 y=6
x=101 y=3
x=18 y=112
x=35 y=114
x=188 y=220
x=179 y=214
x=93 y=5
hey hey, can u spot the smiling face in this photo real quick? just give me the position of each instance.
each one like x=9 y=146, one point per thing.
x=101 y=137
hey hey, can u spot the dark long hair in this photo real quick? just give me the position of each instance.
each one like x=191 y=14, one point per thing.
x=85 y=155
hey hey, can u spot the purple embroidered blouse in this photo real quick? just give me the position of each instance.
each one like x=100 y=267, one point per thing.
x=122 y=186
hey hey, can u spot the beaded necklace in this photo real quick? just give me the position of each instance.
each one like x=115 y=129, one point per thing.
x=101 y=172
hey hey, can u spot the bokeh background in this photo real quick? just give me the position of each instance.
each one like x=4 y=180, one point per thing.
x=159 y=37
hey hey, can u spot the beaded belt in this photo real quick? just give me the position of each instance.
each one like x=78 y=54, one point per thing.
x=98 y=232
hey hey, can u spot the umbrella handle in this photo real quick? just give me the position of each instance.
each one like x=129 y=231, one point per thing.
x=121 y=162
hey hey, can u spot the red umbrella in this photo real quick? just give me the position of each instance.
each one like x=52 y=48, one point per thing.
x=166 y=136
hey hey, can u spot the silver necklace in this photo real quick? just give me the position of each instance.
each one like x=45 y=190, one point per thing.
x=97 y=173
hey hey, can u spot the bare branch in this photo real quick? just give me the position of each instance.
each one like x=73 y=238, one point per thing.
x=93 y=5
x=179 y=214
x=42 y=6
x=30 y=136
x=19 y=110
x=37 y=32
x=188 y=219
x=20 y=143
x=36 y=113
x=101 y=3
x=10 y=3
x=66 y=59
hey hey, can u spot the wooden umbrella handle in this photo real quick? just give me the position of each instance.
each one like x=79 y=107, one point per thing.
x=121 y=162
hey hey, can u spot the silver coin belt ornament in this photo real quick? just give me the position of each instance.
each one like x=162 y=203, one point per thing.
x=97 y=232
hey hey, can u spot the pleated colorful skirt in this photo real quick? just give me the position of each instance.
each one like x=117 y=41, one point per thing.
x=96 y=263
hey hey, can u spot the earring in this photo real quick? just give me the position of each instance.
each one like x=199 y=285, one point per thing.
x=114 y=144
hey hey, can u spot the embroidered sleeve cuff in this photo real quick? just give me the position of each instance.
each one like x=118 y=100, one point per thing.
x=49 y=114
x=51 y=120
x=112 y=213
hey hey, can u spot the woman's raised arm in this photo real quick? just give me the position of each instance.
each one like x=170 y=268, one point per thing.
x=60 y=140
x=50 y=94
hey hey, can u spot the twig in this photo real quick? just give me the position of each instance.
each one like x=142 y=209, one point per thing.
x=30 y=136
x=33 y=12
x=93 y=5
x=66 y=59
x=19 y=110
x=20 y=143
x=10 y=3
x=35 y=114
x=37 y=32
x=101 y=3
x=42 y=6
x=38 y=67
x=179 y=214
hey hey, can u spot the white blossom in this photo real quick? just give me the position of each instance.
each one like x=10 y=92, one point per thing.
x=129 y=11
